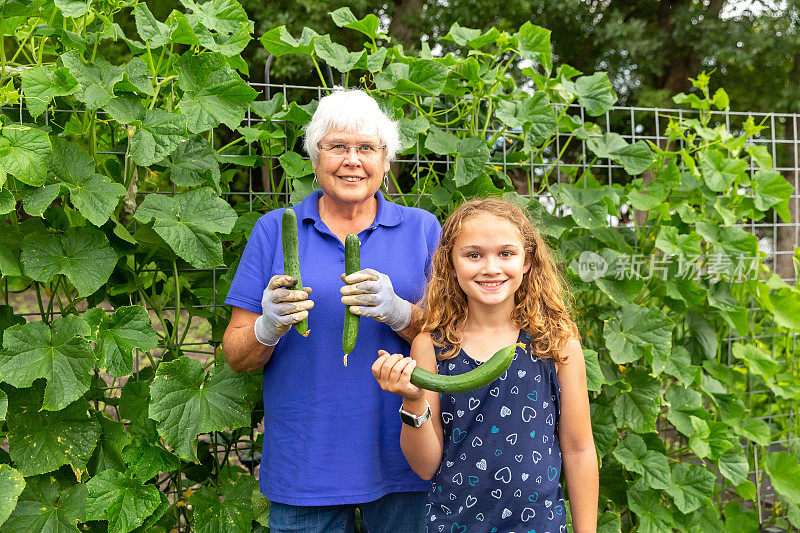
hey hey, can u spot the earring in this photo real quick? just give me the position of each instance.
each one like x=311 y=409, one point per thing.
x=386 y=181
x=315 y=183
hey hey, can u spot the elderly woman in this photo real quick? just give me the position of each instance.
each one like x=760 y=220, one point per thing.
x=331 y=435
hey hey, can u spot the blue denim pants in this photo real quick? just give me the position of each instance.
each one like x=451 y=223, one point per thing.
x=397 y=512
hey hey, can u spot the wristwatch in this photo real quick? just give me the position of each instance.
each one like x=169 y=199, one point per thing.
x=415 y=421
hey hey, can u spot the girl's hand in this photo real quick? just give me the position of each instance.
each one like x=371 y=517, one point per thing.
x=393 y=372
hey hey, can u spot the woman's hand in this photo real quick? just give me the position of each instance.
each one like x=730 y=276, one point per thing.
x=370 y=293
x=281 y=307
x=393 y=373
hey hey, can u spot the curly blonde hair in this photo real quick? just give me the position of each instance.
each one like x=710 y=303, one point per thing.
x=543 y=305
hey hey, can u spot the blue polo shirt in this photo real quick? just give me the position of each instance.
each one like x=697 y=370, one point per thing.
x=331 y=435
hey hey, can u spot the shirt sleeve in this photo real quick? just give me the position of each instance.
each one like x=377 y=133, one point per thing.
x=432 y=238
x=254 y=270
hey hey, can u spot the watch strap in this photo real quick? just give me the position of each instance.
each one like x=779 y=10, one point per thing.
x=415 y=420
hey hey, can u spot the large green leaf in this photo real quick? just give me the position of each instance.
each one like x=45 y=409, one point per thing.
x=40 y=84
x=692 y=486
x=654 y=517
x=35 y=200
x=48 y=504
x=96 y=81
x=751 y=428
x=703 y=520
x=135 y=78
x=108 y=452
x=186 y=401
x=594 y=375
x=759 y=362
x=734 y=466
x=773 y=191
x=637 y=332
x=134 y=399
x=441 y=142
x=607 y=145
x=539 y=118
x=232 y=512
x=60 y=355
x=158 y=133
x=3 y=405
x=425 y=76
x=73 y=8
x=82 y=254
x=124 y=501
x=194 y=163
x=344 y=18
x=534 y=45
x=719 y=170
x=8 y=319
x=595 y=93
x=278 y=41
x=294 y=165
x=336 y=55
x=674 y=243
x=604 y=428
x=11 y=485
x=638 y=407
x=683 y=404
x=410 y=129
x=471 y=37
x=146 y=459
x=118 y=334
x=223 y=16
x=25 y=153
x=635 y=158
x=189 y=223
x=471 y=160
x=42 y=441
x=588 y=206
x=213 y=92
x=93 y=194
x=154 y=32
x=786 y=307
x=633 y=454
x=784 y=472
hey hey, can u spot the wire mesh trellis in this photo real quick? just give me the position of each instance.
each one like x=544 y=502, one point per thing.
x=567 y=158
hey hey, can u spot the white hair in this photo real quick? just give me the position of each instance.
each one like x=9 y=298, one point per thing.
x=352 y=111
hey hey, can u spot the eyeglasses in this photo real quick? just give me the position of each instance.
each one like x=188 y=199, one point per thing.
x=340 y=149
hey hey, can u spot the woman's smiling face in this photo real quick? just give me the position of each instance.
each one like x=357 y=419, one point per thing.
x=351 y=177
x=489 y=260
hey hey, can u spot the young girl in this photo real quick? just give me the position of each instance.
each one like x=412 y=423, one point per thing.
x=495 y=454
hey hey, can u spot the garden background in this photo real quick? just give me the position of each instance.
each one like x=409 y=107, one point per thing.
x=140 y=142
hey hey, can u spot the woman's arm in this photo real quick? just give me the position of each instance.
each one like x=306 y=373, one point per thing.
x=242 y=350
x=410 y=332
x=577 y=444
x=422 y=446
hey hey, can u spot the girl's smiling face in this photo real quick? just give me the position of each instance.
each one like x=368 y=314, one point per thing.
x=489 y=260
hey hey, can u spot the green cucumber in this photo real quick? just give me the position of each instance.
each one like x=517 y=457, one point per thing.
x=352 y=263
x=291 y=258
x=474 y=379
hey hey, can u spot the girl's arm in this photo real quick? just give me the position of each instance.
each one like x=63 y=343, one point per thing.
x=422 y=446
x=577 y=444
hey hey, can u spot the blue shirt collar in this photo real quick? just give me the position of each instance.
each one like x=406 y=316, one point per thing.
x=388 y=213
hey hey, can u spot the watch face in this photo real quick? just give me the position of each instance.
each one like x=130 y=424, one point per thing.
x=408 y=419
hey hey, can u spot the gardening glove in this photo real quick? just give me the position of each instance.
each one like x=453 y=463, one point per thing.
x=281 y=307
x=370 y=293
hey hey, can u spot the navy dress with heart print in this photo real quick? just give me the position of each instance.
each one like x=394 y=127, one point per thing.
x=502 y=462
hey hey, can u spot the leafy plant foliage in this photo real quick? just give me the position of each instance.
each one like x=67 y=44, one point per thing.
x=113 y=417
